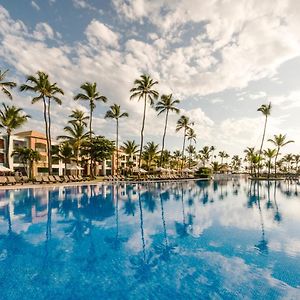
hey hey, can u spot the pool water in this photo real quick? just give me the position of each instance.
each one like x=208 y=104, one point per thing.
x=232 y=239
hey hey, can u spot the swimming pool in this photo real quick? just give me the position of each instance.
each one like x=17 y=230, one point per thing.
x=178 y=240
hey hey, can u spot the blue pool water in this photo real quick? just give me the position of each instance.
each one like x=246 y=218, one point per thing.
x=179 y=240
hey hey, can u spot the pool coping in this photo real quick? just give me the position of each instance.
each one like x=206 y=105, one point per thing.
x=70 y=184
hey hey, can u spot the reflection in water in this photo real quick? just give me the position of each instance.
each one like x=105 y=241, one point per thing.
x=144 y=241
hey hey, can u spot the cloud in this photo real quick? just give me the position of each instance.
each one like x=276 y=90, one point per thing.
x=99 y=34
x=35 y=5
x=43 y=31
x=83 y=4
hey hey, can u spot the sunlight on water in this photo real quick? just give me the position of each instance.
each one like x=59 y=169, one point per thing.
x=182 y=240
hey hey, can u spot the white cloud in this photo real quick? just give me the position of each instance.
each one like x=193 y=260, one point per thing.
x=43 y=31
x=99 y=34
x=35 y=5
x=83 y=4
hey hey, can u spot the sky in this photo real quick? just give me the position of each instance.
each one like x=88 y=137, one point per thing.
x=221 y=58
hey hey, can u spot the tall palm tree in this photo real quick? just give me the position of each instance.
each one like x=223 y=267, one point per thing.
x=75 y=136
x=78 y=116
x=150 y=154
x=115 y=113
x=130 y=148
x=5 y=86
x=222 y=155
x=90 y=94
x=266 y=111
x=165 y=105
x=279 y=141
x=65 y=153
x=205 y=154
x=183 y=124
x=11 y=118
x=191 y=150
x=144 y=89
x=46 y=92
x=297 y=160
x=249 y=151
x=191 y=135
x=177 y=156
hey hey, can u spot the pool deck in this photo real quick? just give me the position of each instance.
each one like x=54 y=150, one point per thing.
x=93 y=182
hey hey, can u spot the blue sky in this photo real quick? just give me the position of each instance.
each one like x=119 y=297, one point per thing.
x=222 y=59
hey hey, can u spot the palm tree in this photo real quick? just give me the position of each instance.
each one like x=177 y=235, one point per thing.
x=150 y=154
x=75 y=136
x=177 y=156
x=236 y=162
x=46 y=91
x=90 y=94
x=289 y=159
x=78 y=116
x=130 y=148
x=65 y=153
x=144 y=89
x=115 y=113
x=222 y=155
x=297 y=160
x=191 y=135
x=28 y=157
x=6 y=85
x=279 y=141
x=190 y=149
x=249 y=151
x=266 y=111
x=166 y=104
x=183 y=123
x=205 y=154
x=11 y=118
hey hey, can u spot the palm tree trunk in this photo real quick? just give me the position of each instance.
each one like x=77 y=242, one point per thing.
x=8 y=148
x=50 y=141
x=31 y=169
x=65 y=171
x=117 y=146
x=262 y=141
x=142 y=131
x=91 y=119
x=275 y=166
x=163 y=140
x=183 y=146
x=47 y=129
x=269 y=168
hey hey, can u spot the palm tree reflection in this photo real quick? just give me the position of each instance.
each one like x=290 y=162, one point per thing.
x=142 y=265
x=262 y=245
x=116 y=241
x=165 y=249
x=182 y=228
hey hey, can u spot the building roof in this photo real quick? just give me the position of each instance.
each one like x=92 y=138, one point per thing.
x=32 y=134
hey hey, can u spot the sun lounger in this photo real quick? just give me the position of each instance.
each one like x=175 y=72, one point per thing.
x=25 y=179
x=57 y=178
x=66 y=178
x=45 y=179
x=3 y=180
x=52 y=179
x=38 y=179
x=72 y=178
x=11 y=180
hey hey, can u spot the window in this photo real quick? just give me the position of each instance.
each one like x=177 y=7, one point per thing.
x=1 y=144
x=40 y=147
x=19 y=144
x=1 y=158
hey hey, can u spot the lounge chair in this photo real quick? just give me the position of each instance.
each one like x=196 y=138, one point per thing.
x=3 y=180
x=72 y=178
x=66 y=178
x=57 y=178
x=52 y=179
x=38 y=179
x=45 y=179
x=11 y=180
